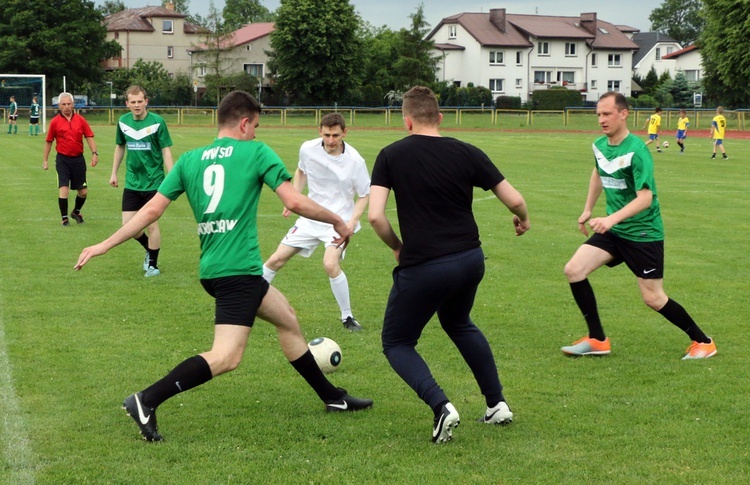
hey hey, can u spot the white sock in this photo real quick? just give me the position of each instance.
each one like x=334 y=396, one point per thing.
x=268 y=274
x=340 y=288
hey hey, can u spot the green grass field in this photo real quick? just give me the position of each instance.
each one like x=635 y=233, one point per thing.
x=74 y=344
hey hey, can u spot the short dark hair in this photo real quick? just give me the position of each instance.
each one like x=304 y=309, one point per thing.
x=333 y=119
x=621 y=102
x=421 y=104
x=235 y=106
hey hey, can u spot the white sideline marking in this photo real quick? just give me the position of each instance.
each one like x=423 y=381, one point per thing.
x=15 y=441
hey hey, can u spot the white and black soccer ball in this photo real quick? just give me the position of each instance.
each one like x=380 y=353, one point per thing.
x=327 y=354
x=666 y=144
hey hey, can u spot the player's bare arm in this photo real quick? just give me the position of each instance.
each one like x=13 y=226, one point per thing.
x=119 y=154
x=514 y=201
x=643 y=200
x=379 y=221
x=150 y=213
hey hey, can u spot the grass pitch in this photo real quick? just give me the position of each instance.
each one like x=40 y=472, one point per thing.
x=74 y=344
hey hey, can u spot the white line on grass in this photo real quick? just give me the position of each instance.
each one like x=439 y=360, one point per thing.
x=14 y=439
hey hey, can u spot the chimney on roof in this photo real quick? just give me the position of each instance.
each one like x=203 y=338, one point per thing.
x=169 y=6
x=588 y=21
x=497 y=17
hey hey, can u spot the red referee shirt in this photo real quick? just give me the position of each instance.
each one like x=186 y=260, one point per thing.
x=69 y=134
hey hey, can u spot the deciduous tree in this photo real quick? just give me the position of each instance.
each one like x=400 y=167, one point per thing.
x=238 y=13
x=54 y=38
x=682 y=20
x=724 y=42
x=317 y=56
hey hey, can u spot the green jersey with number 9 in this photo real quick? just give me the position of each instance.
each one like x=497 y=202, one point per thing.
x=223 y=182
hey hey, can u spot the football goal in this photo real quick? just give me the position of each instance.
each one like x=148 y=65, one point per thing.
x=24 y=87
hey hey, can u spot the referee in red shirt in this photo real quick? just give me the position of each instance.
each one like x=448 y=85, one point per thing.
x=69 y=129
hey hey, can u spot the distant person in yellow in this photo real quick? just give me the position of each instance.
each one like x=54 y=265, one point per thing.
x=653 y=123
x=682 y=125
x=718 y=127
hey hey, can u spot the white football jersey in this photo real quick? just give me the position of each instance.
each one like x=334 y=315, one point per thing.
x=333 y=181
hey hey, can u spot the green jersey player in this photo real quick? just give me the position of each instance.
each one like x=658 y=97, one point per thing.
x=632 y=232
x=13 y=116
x=223 y=182
x=34 y=111
x=146 y=138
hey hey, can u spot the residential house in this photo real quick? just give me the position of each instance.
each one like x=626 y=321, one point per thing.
x=515 y=55
x=688 y=61
x=153 y=34
x=244 y=50
x=653 y=49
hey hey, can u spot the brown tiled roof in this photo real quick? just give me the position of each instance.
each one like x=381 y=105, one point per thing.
x=518 y=29
x=676 y=54
x=136 y=20
x=244 y=35
x=478 y=25
x=449 y=47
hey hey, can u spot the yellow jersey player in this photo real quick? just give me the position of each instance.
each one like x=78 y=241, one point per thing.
x=653 y=123
x=682 y=125
x=718 y=128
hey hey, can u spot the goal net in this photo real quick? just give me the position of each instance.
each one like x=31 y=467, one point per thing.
x=24 y=87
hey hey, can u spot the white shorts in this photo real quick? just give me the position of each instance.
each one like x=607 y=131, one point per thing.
x=306 y=235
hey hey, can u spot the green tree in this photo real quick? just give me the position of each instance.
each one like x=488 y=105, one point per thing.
x=111 y=6
x=380 y=48
x=238 y=13
x=415 y=65
x=724 y=42
x=54 y=38
x=682 y=20
x=317 y=56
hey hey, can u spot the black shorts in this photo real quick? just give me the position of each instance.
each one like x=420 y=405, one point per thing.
x=237 y=298
x=71 y=172
x=645 y=259
x=134 y=200
x=33 y=121
x=12 y=117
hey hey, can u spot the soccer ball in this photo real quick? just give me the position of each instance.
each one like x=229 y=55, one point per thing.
x=666 y=144
x=327 y=354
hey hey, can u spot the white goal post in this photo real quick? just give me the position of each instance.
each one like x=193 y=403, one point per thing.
x=24 y=87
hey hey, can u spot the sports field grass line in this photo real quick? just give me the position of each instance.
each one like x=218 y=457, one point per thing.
x=15 y=441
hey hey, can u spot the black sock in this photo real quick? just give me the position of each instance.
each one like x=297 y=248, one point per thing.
x=586 y=300
x=63 y=203
x=439 y=408
x=79 y=203
x=307 y=368
x=189 y=374
x=143 y=239
x=679 y=317
x=153 y=257
x=494 y=400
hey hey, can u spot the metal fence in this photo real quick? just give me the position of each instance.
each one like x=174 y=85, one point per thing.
x=573 y=118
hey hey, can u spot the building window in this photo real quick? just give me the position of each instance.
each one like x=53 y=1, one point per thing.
x=613 y=85
x=541 y=77
x=117 y=35
x=497 y=58
x=496 y=85
x=519 y=58
x=202 y=71
x=570 y=49
x=453 y=32
x=593 y=60
x=658 y=53
x=249 y=47
x=692 y=75
x=167 y=27
x=170 y=52
x=670 y=50
x=519 y=83
x=542 y=48
x=614 y=60
x=566 y=77
x=254 y=70
x=593 y=84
